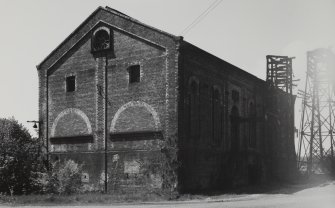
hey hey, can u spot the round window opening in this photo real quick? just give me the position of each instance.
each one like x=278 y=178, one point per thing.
x=101 y=40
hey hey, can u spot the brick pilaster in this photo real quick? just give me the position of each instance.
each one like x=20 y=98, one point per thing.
x=100 y=103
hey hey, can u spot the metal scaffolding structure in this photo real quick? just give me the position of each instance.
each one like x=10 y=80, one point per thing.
x=316 y=141
x=280 y=111
x=279 y=72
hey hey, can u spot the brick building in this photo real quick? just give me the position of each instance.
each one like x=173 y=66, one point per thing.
x=121 y=97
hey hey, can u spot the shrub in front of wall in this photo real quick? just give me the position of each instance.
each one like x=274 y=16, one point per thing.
x=63 y=178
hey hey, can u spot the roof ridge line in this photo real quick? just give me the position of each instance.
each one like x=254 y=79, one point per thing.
x=68 y=37
x=116 y=12
x=110 y=10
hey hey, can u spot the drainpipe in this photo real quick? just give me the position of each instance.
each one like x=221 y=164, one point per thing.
x=106 y=131
x=47 y=119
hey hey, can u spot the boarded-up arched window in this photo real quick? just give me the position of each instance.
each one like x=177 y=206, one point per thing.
x=235 y=129
x=252 y=125
x=216 y=115
x=194 y=111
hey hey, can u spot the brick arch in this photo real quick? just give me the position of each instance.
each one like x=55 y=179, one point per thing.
x=136 y=104
x=101 y=28
x=69 y=111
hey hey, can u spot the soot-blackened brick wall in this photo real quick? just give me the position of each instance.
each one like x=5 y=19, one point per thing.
x=280 y=131
x=213 y=115
x=225 y=137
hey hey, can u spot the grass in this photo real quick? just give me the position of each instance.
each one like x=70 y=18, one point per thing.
x=141 y=196
x=77 y=199
x=104 y=199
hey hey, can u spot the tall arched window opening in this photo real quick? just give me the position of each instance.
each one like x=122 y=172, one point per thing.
x=193 y=111
x=252 y=125
x=216 y=115
x=235 y=129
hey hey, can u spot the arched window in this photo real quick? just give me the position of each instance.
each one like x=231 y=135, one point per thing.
x=252 y=125
x=216 y=115
x=235 y=129
x=102 y=42
x=193 y=111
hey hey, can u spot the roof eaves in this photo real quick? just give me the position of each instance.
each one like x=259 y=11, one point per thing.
x=99 y=22
x=221 y=60
x=68 y=37
x=116 y=12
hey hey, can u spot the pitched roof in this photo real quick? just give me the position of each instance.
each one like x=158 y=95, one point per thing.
x=112 y=11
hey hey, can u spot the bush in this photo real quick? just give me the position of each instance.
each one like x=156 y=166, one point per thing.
x=63 y=178
x=329 y=164
x=20 y=160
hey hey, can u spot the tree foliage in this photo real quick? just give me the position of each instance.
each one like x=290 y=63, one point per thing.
x=20 y=159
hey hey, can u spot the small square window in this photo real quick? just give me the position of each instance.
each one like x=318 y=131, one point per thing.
x=70 y=84
x=134 y=73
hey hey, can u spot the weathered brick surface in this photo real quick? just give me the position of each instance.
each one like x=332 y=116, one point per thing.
x=240 y=155
x=280 y=127
x=82 y=65
x=183 y=93
x=147 y=106
x=92 y=163
x=135 y=170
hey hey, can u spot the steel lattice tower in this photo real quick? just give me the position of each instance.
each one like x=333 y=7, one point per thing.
x=316 y=142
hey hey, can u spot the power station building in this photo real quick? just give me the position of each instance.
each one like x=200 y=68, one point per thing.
x=143 y=109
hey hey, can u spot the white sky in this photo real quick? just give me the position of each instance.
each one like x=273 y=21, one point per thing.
x=241 y=32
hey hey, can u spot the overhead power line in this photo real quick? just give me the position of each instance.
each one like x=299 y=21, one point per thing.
x=201 y=16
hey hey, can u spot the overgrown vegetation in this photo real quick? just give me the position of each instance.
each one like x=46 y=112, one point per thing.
x=23 y=169
x=20 y=159
x=170 y=164
x=83 y=198
x=64 y=178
